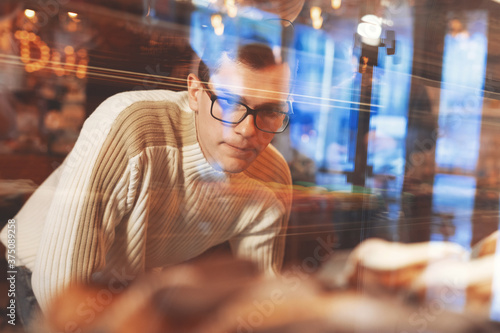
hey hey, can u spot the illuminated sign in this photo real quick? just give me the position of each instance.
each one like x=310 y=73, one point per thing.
x=36 y=55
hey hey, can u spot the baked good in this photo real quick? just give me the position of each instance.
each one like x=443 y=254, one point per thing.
x=225 y=295
x=458 y=285
x=377 y=263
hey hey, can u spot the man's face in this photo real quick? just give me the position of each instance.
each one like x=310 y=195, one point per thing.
x=232 y=148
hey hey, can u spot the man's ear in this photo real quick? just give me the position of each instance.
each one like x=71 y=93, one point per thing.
x=194 y=87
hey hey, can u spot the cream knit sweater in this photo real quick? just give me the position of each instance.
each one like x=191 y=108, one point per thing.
x=136 y=193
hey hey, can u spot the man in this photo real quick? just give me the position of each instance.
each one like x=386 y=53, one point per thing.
x=158 y=177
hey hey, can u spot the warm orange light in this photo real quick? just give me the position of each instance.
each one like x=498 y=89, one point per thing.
x=315 y=13
x=232 y=11
x=24 y=34
x=56 y=59
x=69 y=50
x=317 y=23
x=216 y=20
x=219 y=30
x=74 y=62
x=317 y=20
x=70 y=60
x=29 y=13
x=336 y=4
x=81 y=71
x=72 y=15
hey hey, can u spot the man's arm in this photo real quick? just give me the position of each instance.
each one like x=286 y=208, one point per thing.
x=90 y=199
x=263 y=238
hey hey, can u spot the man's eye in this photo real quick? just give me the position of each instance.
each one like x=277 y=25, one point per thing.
x=275 y=112
x=271 y=114
x=228 y=104
x=267 y=112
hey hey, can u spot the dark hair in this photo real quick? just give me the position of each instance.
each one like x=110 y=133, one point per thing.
x=254 y=55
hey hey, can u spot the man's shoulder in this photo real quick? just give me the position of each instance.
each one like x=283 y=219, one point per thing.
x=138 y=119
x=133 y=100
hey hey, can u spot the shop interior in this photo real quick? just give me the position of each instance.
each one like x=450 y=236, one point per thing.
x=394 y=137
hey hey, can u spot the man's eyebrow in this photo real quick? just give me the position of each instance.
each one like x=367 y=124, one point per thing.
x=271 y=105
x=229 y=93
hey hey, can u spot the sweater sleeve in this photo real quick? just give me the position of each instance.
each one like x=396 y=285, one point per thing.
x=263 y=240
x=92 y=196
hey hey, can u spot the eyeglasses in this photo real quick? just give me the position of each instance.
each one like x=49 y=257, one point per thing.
x=269 y=119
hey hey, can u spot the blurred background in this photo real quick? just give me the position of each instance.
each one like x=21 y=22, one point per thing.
x=396 y=105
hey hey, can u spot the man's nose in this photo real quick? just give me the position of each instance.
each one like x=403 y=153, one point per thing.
x=247 y=127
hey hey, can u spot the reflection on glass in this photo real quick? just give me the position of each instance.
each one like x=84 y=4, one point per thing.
x=222 y=32
x=391 y=90
x=460 y=110
x=461 y=100
x=323 y=98
x=453 y=204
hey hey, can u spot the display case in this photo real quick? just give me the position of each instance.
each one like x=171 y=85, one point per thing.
x=396 y=107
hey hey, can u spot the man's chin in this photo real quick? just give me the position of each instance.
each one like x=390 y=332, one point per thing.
x=234 y=165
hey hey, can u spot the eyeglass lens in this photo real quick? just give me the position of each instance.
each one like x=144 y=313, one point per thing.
x=269 y=120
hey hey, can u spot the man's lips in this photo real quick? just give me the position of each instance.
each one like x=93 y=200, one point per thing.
x=243 y=149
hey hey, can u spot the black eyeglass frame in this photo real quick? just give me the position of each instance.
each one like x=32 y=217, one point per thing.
x=253 y=112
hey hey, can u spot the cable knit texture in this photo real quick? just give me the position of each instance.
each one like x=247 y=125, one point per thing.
x=136 y=193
